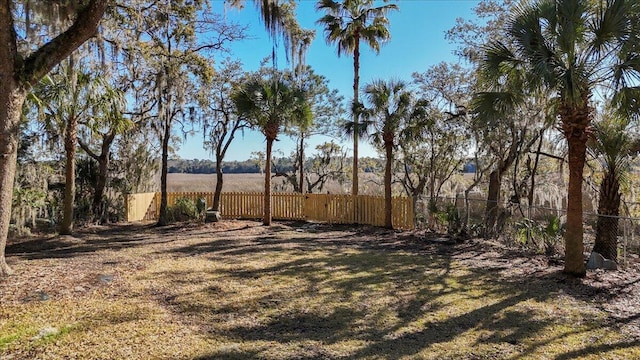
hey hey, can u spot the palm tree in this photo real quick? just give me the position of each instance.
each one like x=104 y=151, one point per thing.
x=68 y=97
x=270 y=104
x=102 y=130
x=570 y=48
x=347 y=23
x=611 y=146
x=391 y=108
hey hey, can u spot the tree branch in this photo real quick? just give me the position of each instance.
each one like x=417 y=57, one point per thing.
x=52 y=53
x=548 y=155
x=86 y=149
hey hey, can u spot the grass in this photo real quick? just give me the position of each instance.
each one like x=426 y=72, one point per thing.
x=371 y=184
x=237 y=290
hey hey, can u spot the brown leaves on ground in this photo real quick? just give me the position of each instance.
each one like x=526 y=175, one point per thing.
x=238 y=290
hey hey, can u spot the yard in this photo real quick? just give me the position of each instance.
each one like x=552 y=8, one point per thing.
x=239 y=290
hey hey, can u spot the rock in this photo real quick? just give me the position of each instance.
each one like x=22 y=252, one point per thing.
x=43 y=296
x=105 y=278
x=597 y=261
x=44 y=332
x=213 y=216
x=35 y=296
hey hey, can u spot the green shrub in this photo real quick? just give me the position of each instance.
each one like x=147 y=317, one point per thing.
x=185 y=210
x=535 y=235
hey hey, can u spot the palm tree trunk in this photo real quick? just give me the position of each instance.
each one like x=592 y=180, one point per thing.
x=608 y=210
x=356 y=115
x=12 y=97
x=267 y=184
x=388 y=211
x=573 y=239
x=70 y=141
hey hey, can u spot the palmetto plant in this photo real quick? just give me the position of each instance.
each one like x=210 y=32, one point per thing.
x=270 y=103
x=347 y=23
x=572 y=48
x=612 y=146
x=69 y=96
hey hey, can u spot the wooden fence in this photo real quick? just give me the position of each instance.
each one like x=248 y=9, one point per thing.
x=336 y=209
x=141 y=206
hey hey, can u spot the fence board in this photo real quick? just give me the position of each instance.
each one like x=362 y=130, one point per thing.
x=138 y=205
x=337 y=209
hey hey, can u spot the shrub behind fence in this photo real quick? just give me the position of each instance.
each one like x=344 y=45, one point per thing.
x=540 y=228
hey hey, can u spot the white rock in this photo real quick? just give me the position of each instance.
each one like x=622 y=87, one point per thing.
x=597 y=261
x=44 y=332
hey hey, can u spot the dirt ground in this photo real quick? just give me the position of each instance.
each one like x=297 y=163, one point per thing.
x=68 y=268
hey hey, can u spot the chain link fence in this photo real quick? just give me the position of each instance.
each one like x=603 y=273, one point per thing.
x=536 y=228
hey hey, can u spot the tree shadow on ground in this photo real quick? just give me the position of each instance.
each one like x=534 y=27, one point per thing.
x=92 y=239
x=348 y=273
x=321 y=292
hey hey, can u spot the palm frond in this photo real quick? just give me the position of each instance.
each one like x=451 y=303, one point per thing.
x=491 y=108
x=498 y=60
x=349 y=21
x=626 y=70
x=361 y=128
x=612 y=143
x=526 y=31
x=272 y=102
x=611 y=24
x=626 y=102
x=570 y=18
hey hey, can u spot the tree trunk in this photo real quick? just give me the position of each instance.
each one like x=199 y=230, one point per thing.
x=532 y=186
x=70 y=142
x=493 y=202
x=608 y=212
x=163 y=219
x=301 y=165
x=219 y=184
x=11 y=100
x=573 y=239
x=388 y=211
x=101 y=183
x=356 y=115
x=415 y=195
x=267 y=184
x=467 y=208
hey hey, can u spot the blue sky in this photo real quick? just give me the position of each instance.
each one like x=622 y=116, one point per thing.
x=417 y=43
